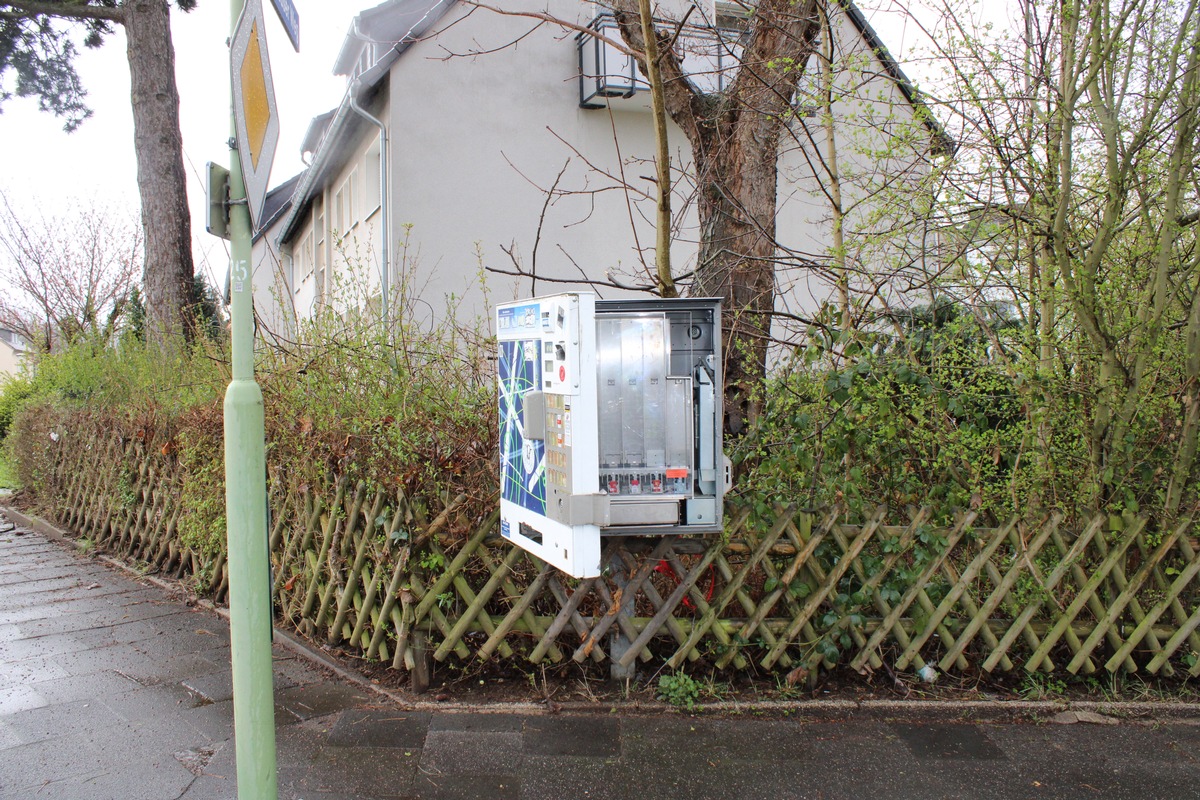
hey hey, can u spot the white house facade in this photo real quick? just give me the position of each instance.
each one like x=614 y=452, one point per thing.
x=469 y=144
x=13 y=350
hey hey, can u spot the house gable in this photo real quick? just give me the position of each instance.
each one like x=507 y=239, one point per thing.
x=479 y=143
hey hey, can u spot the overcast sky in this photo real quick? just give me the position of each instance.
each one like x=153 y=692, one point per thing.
x=42 y=163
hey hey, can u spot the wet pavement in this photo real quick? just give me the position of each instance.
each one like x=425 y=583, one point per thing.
x=112 y=687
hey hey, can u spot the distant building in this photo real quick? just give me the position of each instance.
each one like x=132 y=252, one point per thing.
x=13 y=352
x=468 y=139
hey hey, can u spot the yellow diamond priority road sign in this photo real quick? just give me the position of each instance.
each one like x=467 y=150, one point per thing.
x=256 y=118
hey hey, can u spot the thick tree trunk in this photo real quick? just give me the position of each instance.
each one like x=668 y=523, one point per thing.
x=735 y=146
x=161 y=180
x=737 y=256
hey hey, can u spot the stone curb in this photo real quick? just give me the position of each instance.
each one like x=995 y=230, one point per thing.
x=966 y=711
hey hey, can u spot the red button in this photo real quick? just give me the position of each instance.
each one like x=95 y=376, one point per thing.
x=562 y=373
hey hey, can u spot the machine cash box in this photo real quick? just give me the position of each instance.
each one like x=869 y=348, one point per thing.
x=610 y=423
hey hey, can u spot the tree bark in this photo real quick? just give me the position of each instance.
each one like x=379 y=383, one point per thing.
x=734 y=138
x=161 y=179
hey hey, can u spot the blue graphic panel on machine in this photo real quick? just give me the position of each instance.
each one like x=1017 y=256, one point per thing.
x=522 y=460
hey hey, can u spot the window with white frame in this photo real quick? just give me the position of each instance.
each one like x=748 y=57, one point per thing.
x=372 y=189
x=306 y=256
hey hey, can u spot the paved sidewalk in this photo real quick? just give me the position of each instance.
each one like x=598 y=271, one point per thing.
x=112 y=688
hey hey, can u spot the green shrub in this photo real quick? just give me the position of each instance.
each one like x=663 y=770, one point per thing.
x=945 y=410
x=680 y=690
x=14 y=391
x=408 y=410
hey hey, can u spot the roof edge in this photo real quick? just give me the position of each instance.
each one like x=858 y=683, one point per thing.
x=943 y=141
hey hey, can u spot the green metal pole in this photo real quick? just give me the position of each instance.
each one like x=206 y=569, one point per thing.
x=245 y=504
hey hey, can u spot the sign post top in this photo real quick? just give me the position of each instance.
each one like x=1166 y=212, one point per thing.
x=290 y=19
x=256 y=118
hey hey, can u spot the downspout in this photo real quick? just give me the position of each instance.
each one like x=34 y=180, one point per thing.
x=384 y=227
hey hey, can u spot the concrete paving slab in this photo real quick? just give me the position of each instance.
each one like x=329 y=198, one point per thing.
x=298 y=671
x=214 y=687
x=369 y=728
x=361 y=771
x=467 y=787
x=104 y=784
x=34 y=769
x=693 y=737
x=587 y=735
x=8 y=737
x=30 y=670
x=20 y=698
x=118 y=657
x=84 y=717
x=468 y=722
x=933 y=742
x=94 y=685
x=215 y=720
x=581 y=778
x=320 y=699
x=149 y=669
x=471 y=753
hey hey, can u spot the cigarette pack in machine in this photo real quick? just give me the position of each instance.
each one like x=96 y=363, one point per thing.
x=610 y=423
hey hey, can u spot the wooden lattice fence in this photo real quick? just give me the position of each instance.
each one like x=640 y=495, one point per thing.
x=369 y=571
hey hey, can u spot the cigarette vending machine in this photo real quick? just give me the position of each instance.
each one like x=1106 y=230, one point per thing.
x=610 y=423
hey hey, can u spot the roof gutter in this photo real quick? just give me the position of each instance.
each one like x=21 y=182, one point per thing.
x=320 y=161
x=324 y=154
x=943 y=142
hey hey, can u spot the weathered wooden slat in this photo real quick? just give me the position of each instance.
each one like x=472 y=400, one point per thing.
x=620 y=604
x=1117 y=605
x=1172 y=644
x=999 y=593
x=528 y=596
x=568 y=614
x=767 y=603
x=701 y=602
x=1185 y=577
x=957 y=592
x=1125 y=610
x=401 y=569
x=1069 y=558
x=1114 y=585
x=1085 y=593
x=870 y=584
x=610 y=601
x=360 y=497
x=815 y=599
x=439 y=619
x=362 y=550
x=475 y=606
x=330 y=520
x=1080 y=578
x=666 y=609
x=732 y=587
x=516 y=614
x=866 y=652
x=446 y=578
x=911 y=595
